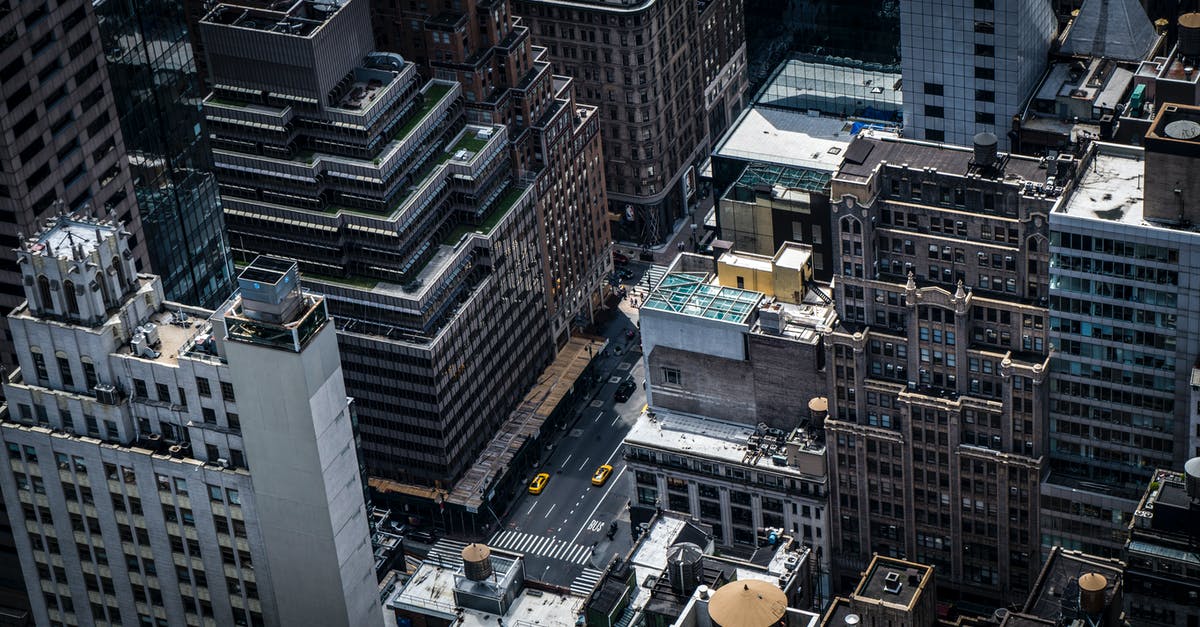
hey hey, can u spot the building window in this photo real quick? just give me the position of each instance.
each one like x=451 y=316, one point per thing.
x=934 y=89
x=164 y=392
x=982 y=117
x=210 y=416
x=672 y=376
x=202 y=387
x=64 y=369
x=935 y=111
x=984 y=50
x=985 y=73
x=935 y=135
x=227 y=392
x=39 y=367
x=89 y=373
x=139 y=389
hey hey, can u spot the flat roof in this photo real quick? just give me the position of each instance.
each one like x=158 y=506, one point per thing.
x=893 y=581
x=175 y=335
x=728 y=442
x=1110 y=189
x=867 y=151
x=747 y=261
x=692 y=294
x=788 y=137
x=431 y=589
x=1059 y=581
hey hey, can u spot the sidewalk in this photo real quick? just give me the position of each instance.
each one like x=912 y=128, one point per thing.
x=665 y=253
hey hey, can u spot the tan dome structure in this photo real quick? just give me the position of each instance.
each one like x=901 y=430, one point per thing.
x=747 y=603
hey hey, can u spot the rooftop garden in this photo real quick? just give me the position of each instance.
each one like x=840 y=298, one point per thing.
x=433 y=95
x=499 y=209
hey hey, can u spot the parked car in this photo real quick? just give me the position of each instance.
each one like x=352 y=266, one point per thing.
x=625 y=274
x=422 y=536
x=620 y=259
x=624 y=391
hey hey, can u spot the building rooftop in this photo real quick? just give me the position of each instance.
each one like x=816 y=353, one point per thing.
x=1115 y=29
x=788 y=137
x=867 y=152
x=729 y=442
x=1167 y=516
x=169 y=334
x=1056 y=592
x=431 y=590
x=300 y=18
x=1101 y=83
x=66 y=235
x=1110 y=187
x=692 y=294
x=894 y=581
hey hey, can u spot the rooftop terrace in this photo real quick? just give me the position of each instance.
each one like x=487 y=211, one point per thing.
x=1110 y=188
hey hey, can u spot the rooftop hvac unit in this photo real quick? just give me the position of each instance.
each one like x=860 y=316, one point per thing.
x=141 y=347
x=151 y=331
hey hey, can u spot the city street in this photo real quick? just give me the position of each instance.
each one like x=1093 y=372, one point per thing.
x=564 y=530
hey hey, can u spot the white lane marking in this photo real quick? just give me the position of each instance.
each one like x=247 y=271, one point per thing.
x=581 y=466
x=612 y=481
x=567 y=460
x=531 y=509
x=551 y=509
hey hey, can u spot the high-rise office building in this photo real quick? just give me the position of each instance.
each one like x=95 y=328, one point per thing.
x=130 y=432
x=555 y=141
x=61 y=140
x=969 y=65
x=1125 y=319
x=419 y=227
x=157 y=95
x=937 y=374
x=668 y=78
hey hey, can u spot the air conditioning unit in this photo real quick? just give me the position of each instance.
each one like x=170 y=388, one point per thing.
x=222 y=462
x=107 y=394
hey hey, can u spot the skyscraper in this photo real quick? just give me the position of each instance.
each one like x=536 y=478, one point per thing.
x=61 y=140
x=667 y=78
x=938 y=371
x=158 y=94
x=554 y=140
x=1125 y=318
x=968 y=65
x=130 y=431
x=418 y=226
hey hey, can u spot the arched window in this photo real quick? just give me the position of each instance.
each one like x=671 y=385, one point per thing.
x=69 y=295
x=116 y=263
x=1031 y=244
x=44 y=293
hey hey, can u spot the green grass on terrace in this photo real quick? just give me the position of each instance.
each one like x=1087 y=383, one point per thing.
x=468 y=142
x=499 y=209
x=433 y=95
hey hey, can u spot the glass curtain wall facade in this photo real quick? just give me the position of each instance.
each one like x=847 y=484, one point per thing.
x=157 y=92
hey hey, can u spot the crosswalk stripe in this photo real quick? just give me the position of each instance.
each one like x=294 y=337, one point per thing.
x=533 y=544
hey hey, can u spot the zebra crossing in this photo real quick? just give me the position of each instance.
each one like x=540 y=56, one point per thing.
x=586 y=582
x=532 y=544
x=446 y=553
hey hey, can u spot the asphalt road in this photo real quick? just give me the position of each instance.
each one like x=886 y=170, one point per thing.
x=564 y=529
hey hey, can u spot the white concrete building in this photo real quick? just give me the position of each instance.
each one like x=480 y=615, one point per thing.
x=968 y=65
x=131 y=428
x=736 y=478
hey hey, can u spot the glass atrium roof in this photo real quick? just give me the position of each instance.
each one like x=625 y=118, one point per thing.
x=689 y=293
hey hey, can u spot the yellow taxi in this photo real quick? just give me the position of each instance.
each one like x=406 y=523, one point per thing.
x=539 y=483
x=601 y=474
